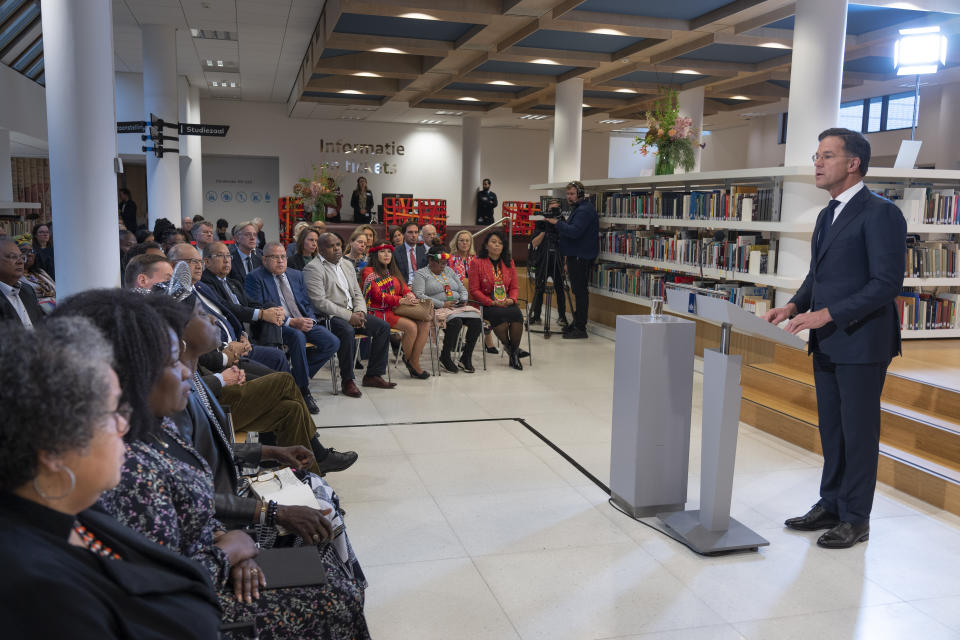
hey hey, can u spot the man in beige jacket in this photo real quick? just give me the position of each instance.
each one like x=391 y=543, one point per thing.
x=334 y=291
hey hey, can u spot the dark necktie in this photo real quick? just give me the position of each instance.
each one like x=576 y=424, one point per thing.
x=828 y=222
x=230 y=294
x=249 y=263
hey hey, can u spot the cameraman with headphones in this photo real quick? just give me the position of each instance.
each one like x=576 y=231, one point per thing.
x=579 y=242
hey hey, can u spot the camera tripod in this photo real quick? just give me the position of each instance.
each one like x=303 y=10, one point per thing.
x=551 y=263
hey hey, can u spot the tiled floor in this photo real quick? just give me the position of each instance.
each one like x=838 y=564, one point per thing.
x=471 y=527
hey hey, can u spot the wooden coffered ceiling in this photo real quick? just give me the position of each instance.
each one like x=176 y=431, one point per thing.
x=486 y=55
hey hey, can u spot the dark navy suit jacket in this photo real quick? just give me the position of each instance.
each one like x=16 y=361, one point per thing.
x=857 y=274
x=262 y=289
x=580 y=233
x=237 y=271
x=403 y=259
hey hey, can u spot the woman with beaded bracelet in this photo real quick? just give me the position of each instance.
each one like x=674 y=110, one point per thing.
x=166 y=489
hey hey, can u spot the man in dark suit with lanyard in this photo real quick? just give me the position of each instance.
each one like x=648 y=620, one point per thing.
x=18 y=302
x=847 y=302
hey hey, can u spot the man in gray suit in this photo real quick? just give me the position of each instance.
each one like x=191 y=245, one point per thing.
x=334 y=292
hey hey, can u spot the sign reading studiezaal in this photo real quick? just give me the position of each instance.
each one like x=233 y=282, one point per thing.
x=215 y=130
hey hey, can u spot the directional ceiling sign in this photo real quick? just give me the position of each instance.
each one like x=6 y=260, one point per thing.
x=215 y=130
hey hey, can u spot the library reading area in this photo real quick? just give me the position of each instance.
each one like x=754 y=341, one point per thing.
x=480 y=320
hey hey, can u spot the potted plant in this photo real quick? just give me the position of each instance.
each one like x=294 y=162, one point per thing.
x=670 y=134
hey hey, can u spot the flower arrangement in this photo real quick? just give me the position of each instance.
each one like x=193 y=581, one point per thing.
x=316 y=194
x=672 y=135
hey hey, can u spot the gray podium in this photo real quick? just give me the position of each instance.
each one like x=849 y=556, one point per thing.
x=651 y=420
x=652 y=393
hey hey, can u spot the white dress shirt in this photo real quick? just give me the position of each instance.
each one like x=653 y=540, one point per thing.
x=846 y=197
x=13 y=296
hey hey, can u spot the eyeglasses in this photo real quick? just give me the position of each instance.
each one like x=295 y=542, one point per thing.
x=16 y=257
x=280 y=258
x=26 y=252
x=221 y=256
x=123 y=413
x=817 y=157
x=191 y=261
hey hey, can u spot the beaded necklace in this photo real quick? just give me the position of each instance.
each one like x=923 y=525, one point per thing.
x=91 y=543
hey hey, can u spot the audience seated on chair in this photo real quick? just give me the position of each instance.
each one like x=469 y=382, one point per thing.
x=334 y=292
x=236 y=349
x=358 y=250
x=306 y=249
x=246 y=256
x=74 y=571
x=385 y=292
x=493 y=283
x=145 y=270
x=274 y=285
x=411 y=255
x=35 y=277
x=18 y=302
x=439 y=283
x=265 y=322
x=181 y=517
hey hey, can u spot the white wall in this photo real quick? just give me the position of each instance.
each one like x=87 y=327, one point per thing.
x=726 y=149
x=128 y=95
x=429 y=167
x=625 y=160
x=23 y=105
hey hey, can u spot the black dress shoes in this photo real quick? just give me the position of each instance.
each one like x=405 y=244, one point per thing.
x=575 y=334
x=845 y=535
x=311 y=403
x=466 y=364
x=337 y=461
x=515 y=360
x=814 y=520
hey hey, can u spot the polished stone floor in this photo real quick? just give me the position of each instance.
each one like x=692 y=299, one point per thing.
x=469 y=526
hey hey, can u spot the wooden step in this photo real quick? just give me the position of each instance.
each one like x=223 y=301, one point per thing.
x=928 y=436
x=898 y=390
x=914 y=475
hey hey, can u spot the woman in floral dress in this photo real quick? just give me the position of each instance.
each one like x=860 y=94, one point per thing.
x=166 y=492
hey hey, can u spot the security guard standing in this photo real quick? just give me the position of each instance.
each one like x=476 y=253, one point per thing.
x=486 y=203
x=579 y=242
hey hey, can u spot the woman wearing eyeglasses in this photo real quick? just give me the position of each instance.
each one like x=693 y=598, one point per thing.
x=39 y=280
x=78 y=572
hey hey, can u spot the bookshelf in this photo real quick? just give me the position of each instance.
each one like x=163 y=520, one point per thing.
x=645 y=205
x=18 y=223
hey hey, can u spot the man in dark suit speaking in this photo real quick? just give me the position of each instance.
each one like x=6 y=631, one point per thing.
x=847 y=302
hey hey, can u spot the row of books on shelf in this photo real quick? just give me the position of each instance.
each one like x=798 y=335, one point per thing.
x=14 y=227
x=646 y=283
x=743 y=252
x=921 y=205
x=920 y=311
x=935 y=259
x=743 y=203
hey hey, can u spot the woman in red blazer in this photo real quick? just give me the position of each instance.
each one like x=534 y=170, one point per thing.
x=385 y=290
x=493 y=283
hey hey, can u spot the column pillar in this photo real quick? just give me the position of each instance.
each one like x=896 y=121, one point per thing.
x=6 y=174
x=82 y=134
x=819 y=37
x=948 y=131
x=160 y=99
x=567 y=130
x=469 y=168
x=690 y=102
x=191 y=171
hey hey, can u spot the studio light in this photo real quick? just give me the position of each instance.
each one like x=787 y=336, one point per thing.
x=921 y=50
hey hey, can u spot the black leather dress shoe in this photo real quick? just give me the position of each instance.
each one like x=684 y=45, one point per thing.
x=575 y=334
x=814 y=520
x=845 y=535
x=311 y=404
x=337 y=461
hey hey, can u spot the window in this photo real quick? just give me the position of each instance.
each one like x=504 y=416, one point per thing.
x=782 y=134
x=874 y=115
x=851 y=115
x=900 y=111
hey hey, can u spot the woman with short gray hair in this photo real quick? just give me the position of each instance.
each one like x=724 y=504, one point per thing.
x=61 y=446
